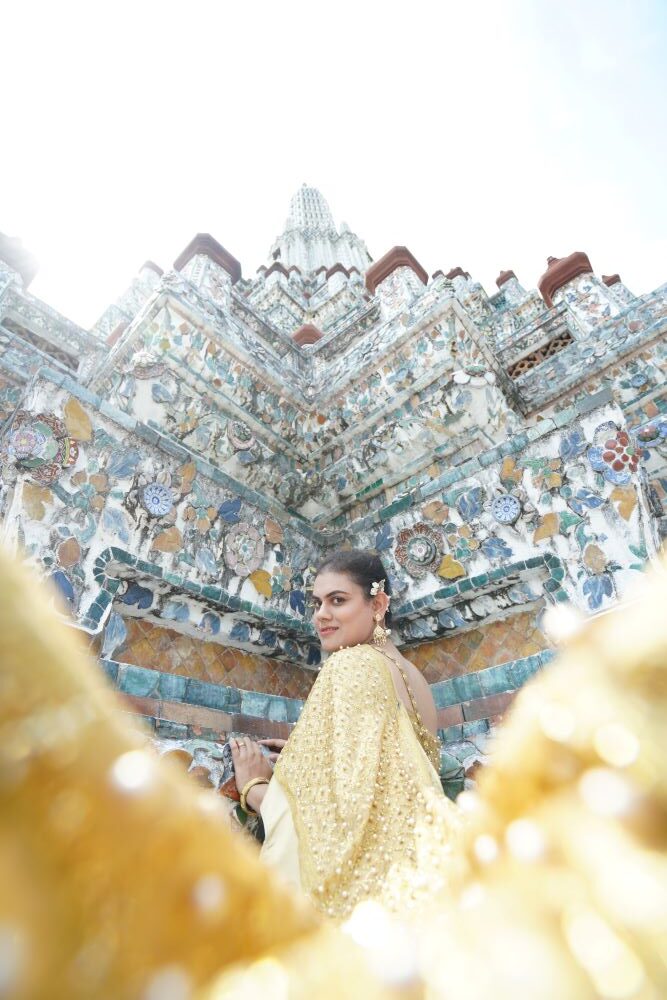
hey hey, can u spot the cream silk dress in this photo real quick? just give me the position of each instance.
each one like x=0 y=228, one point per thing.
x=353 y=788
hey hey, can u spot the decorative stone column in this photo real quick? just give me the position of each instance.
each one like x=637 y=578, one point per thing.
x=210 y=267
x=571 y=280
x=396 y=279
x=470 y=294
x=146 y=282
x=460 y=279
x=514 y=292
x=618 y=289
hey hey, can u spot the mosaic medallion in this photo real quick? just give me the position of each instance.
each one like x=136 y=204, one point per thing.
x=145 y=365
x=418 y=549
x=25 y=442
x=243 y=549
x=506 y=508
x=240 y=435
x=157 y=499
x=653 y=434
x=615 y=454
x=291 y=490
x=39 y=444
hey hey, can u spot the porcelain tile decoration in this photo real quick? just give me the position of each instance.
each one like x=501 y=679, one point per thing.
x=180 y=469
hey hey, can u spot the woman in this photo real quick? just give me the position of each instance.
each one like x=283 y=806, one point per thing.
x=355 y=804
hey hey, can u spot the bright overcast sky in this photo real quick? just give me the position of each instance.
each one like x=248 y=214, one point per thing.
x=482 y=134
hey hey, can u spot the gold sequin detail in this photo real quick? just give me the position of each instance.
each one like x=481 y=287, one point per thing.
x=359 y=787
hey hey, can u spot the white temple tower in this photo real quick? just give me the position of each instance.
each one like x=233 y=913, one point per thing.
x=310 y=238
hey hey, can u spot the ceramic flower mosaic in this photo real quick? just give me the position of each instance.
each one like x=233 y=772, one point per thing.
x=157 y=499
x=243 y=548
x=41 y=445
x=617 y=458
x=419 y=548
x=240 y=435
x=506 y=508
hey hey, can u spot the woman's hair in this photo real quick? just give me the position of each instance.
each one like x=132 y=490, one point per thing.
x=362 y=566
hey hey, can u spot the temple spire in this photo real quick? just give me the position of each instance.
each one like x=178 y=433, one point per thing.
x=310 y=239
x=309 y=211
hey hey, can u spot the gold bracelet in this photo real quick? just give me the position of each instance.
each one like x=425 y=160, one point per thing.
x=244 y=793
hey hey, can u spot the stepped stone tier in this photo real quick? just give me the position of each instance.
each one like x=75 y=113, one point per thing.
x=180 y=469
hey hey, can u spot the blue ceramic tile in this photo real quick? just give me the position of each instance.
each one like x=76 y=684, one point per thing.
x=138 y=681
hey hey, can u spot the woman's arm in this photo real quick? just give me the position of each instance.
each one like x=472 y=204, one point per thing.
x=274 y=744
x=249 y=763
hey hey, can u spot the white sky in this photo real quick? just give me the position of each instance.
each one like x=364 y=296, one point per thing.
x=482 y=134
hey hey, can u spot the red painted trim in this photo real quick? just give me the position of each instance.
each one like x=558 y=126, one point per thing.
x=395 y=258
x=560 y=271
x=203 y=243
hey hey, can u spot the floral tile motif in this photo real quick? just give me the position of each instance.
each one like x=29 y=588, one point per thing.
x=240 y=436
x=243 y=548
x=157 y=499
x=418 y=548
x=617 y=455
x=40 y=445
x=461 y=540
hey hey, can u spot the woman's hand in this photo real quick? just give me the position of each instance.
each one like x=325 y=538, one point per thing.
x=249 y=763
x=276 y=745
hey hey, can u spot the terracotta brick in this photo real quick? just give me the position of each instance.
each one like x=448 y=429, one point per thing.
x=450 y=716
x=195 y=715
x=483 y=708
x=151 y=645
x=476 y=649
x=260 y=728
x=141 y=706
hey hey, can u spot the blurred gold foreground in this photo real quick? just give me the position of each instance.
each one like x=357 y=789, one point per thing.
x=119 y=878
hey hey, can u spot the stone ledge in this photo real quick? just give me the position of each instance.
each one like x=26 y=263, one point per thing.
x=209 y=720
x=502 y=678
x=169 y=689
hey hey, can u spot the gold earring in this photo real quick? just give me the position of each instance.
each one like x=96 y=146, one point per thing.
x=379 y=633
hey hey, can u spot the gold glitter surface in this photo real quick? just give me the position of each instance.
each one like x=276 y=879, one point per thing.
x=359 y=784
x=103 y=845
x=118 y=879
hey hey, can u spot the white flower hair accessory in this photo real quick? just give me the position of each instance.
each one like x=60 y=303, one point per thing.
x=377 y=587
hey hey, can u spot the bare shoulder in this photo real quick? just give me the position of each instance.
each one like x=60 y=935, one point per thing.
x=423 y=696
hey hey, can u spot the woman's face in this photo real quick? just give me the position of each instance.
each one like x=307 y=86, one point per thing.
x=343 y=614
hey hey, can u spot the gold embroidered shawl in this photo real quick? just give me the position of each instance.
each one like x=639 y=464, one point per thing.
x=119 y=894
x=364 y=798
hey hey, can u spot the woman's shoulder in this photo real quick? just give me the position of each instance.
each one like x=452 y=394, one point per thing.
x=352 y=656
x=415 y=675
x=422 y=692
x=363 y=653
